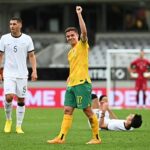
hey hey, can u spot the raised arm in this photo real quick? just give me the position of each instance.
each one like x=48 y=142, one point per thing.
x=81 y=24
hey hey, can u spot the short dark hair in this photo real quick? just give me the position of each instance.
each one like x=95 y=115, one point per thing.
x=93 y=96
x=101 y=97
x=136 y=121
x=17 y=18
x=71 y=29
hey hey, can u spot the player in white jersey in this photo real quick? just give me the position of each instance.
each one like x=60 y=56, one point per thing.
x=16 y=47
x=109 y=121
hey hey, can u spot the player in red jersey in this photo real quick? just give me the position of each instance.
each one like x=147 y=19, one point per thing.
x=140 y=71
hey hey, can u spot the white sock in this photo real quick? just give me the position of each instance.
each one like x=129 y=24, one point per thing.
x=8 y=110
x=20 y=111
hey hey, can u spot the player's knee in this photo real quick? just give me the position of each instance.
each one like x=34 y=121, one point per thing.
x=88 y=112
x=9 y=98
x=21 y=104
x=68 y=111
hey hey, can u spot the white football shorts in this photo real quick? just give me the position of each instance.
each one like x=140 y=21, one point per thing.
x=17 y=86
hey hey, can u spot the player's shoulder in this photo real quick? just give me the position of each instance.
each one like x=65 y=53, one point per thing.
x=26 y=36
x=146 y=60
x=6 y=35
x=83 y=43
x=135 y=61
x=138 y=59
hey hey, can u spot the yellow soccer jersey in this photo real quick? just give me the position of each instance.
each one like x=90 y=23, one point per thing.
x=78 y=62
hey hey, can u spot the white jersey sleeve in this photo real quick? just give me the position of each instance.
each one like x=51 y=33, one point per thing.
x=106 y=114
x=1 y=44
x=106 y=118
x=116 y=125
x=31 y=46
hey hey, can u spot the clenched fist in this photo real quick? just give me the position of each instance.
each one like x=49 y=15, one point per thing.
x=78 y=9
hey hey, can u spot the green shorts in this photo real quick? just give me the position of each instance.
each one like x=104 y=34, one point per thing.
x=78 y=96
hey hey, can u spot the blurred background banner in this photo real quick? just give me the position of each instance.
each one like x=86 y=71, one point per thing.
x=54 y=97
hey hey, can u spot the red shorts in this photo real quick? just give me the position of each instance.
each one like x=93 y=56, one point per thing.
x=141 y=84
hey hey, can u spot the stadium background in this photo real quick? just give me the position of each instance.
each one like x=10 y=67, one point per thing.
x=111 y=24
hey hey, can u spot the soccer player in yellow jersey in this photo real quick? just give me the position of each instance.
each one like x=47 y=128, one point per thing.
x=78 y=93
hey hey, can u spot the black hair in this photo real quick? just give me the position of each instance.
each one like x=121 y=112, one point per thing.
x=101 y=97
x=136 y=121
x=93 y=96
x=17 y=18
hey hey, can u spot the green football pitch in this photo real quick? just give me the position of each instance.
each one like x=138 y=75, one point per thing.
x=43 y=124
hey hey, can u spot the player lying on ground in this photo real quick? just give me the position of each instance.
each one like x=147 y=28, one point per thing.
x=108 y=120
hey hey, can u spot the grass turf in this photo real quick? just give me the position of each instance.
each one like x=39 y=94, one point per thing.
x=42 y=124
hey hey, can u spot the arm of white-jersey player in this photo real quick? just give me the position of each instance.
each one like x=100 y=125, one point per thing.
x=102 y=123
x=32 y=60
x=111 y=114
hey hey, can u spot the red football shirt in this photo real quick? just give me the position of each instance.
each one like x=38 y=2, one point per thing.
x=141 y=66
